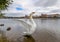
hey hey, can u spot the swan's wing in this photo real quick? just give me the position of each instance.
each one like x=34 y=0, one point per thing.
x=25 y=24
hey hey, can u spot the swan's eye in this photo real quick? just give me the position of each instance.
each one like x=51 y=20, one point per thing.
x=8 y=29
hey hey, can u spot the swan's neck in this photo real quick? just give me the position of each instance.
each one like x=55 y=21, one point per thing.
x=31 y=19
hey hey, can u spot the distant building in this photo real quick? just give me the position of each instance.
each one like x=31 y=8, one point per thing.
x=44 y=15
x=54 y=15
x=26 y=16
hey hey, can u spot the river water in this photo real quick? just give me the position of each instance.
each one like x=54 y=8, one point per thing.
x=47 y=30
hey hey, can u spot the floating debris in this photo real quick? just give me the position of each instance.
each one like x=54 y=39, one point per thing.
x=9 y=28
x=1 y=24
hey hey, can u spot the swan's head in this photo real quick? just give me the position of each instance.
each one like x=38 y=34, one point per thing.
x=31 y=14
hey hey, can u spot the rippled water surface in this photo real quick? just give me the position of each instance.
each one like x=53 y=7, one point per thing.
x=47 y=30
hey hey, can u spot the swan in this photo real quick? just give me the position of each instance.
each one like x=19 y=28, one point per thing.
x=29 y=25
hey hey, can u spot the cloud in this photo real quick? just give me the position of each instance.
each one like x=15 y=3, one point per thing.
x=55 y=11
x=14 y=14
x=50 y=3
x=45 y=3
x=27 y=6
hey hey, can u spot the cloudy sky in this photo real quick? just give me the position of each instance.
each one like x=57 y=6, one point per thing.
x=27 y=6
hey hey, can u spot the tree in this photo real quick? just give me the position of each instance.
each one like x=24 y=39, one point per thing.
x=2 y=15
x=4 y=4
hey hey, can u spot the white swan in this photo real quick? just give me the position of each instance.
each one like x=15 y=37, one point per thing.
x=30 y=25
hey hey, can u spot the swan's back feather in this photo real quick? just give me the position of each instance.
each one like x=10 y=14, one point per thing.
x=24 y=23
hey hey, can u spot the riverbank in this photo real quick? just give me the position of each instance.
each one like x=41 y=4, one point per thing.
x=27 y=17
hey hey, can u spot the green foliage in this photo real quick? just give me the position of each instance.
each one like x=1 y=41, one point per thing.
x=2 y=15
x=4 y=4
